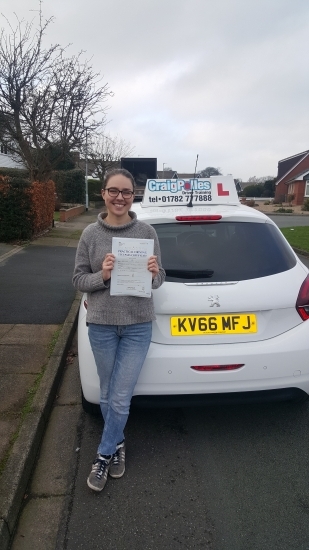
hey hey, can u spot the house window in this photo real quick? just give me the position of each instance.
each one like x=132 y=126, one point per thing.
x=4 y=149
x=307 y=189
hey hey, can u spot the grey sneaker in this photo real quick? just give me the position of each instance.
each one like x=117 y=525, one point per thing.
x=117 y=464
x=98 y=475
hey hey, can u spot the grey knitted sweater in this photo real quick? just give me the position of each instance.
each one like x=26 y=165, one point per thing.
x=94 y=244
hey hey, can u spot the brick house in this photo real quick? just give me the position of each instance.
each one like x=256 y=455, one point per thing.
x=293 y=179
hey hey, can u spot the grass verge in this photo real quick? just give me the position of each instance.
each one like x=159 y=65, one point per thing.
x=298 y=237
x=60 y=234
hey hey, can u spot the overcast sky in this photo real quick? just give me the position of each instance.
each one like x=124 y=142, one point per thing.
x=226 y=79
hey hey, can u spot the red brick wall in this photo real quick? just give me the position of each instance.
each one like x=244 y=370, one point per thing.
x=299 y=192
x=65 y=215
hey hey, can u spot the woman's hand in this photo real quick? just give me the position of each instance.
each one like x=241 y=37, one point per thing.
x=153 y=266
x=107 y=266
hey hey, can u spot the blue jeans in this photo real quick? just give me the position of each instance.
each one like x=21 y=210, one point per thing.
x=119 y=353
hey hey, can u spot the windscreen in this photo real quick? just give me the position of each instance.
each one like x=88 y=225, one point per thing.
x=223 y=251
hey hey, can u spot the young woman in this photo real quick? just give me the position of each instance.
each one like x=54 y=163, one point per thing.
x=119 y=327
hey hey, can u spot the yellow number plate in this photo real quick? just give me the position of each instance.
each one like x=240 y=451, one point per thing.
x=244 y=323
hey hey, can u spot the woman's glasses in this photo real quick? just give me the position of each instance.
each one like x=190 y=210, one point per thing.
x=113 y=192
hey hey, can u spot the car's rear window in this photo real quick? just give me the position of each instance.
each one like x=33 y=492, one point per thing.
x=222 y=251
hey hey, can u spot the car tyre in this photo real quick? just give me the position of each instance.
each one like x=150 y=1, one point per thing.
x=90 y=408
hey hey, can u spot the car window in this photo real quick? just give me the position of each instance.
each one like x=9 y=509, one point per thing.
x=222 y=251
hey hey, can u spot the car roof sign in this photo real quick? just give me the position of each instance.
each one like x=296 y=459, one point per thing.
x=203 y=191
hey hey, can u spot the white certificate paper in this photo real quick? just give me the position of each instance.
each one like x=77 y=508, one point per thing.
x=130 y=276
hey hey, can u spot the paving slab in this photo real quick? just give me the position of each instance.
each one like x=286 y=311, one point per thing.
x=44 y=515
x=8 y=427
x=56 y=451
x=24 y=334
x=14 y=391
x=22 y=359
x=14 y=479
x=4 y=329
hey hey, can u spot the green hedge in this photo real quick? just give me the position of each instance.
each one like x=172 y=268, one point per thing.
x=94 y=190
x=70 y=186
x=15 y=211
x=15 y=173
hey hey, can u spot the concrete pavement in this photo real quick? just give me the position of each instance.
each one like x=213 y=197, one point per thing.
x=33 y=351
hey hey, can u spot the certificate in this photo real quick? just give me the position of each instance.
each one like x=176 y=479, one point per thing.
x=130 y=276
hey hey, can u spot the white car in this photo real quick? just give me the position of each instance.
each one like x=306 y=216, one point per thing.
x=233 y=314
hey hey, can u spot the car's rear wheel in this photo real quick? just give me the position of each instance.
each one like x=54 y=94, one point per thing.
x=90 y=408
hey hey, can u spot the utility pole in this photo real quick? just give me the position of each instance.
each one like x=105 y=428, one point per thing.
x=86 y=170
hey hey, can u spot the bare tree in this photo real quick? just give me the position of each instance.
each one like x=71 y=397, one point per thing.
x=105 y=153
x=210 y=171
x=48 y=101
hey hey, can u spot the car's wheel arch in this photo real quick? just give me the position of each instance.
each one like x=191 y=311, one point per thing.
x=90 y=408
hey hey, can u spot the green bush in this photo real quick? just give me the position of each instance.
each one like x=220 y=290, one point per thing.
x=15 y=211
x=70 y=186
x=305 y=206
x=15 y=173
x=94 y=190
x=285 y=210
x=253 y=190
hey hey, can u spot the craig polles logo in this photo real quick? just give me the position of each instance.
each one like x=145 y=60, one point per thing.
x=176 y=186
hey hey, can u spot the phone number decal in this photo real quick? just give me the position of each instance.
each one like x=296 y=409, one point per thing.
x=181 y=198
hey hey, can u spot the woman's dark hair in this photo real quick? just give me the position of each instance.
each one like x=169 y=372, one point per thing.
x=116 y=172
